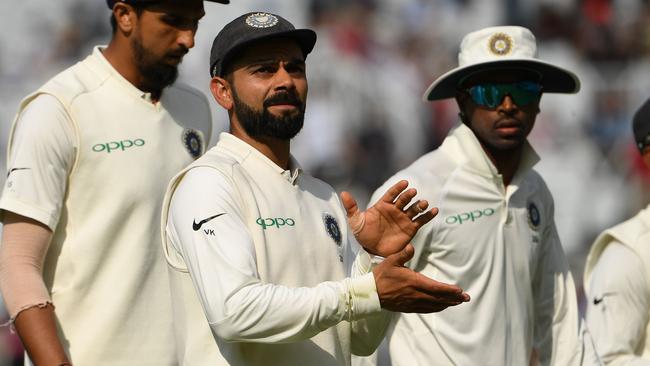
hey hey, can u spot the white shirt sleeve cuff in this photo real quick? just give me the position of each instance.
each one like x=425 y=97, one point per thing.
x=363 y=296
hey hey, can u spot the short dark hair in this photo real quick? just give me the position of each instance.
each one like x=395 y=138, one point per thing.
x=138 y=10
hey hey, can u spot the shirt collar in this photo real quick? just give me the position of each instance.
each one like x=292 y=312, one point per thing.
x=463 y=146
x=101 y=66
x=244 y=151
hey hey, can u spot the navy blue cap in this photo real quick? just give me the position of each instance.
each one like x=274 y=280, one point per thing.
x=641 y=125
x=252 y=27
x=110 y=3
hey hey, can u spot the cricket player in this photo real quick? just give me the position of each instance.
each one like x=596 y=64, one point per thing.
x=495 y=234
x=617 y=278
x=258 y=249
x=90 y=153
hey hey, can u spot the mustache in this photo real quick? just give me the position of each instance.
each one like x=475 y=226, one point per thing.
x=290 y=98
x=179 y=52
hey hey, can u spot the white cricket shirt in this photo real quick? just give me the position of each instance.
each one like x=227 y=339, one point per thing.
x=500 y=245
x=258 y=262
x=617 y=283
x=89 y=155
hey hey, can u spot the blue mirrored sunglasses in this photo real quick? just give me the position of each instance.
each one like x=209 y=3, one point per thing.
x=491 y=95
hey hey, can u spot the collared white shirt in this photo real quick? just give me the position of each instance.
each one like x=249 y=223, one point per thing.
x=501 y=246
x=268 y=254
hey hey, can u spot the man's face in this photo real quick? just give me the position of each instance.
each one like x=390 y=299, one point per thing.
x=269 y=89
x=164 y=34
x=507 y=125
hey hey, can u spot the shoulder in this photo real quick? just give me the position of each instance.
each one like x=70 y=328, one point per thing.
x=189 y=107
x=76 y=80
x=428 y=174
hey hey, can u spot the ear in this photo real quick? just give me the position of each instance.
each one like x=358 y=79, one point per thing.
x=125 y=17
x=222 y=93
x=645 y=155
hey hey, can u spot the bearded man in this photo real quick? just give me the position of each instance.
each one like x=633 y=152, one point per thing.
x=89 y=155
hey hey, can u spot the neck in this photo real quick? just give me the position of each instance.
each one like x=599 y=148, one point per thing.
x=120 y=55
x=506 y=162
x=276 y=150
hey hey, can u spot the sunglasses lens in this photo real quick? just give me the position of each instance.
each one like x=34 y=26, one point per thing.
x=491 y=95
x=486 y=95
x=525 y=92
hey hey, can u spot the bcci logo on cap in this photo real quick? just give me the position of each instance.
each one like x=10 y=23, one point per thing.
x=500 y=44
x=261 y=20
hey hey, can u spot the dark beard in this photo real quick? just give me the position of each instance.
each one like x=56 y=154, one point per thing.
x=156 y=75
x=264 y=124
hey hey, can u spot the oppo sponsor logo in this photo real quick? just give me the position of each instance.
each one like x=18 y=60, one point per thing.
x=468 y=216
x=123 y=145
x=277 y=222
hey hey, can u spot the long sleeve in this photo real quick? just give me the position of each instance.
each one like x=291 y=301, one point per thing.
x=617 y=308
x=207 y=226
x=367 y=333
x=556 y=313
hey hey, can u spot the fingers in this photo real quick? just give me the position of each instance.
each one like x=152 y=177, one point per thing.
x=416 y=208
x=441 y=291
x=394 y=191
x=426 y=217
x=349 y=203
x=404 y=198
x=356 y=218
x=400 y=258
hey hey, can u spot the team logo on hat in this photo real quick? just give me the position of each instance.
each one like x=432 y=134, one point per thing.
x=334 y=232
x=193 y=142
x=500 y=44
x=262 y=20
x=534 y=217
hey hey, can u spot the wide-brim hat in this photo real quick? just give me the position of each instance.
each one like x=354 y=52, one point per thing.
x=252 y=27
x=506 y=47
x=111 y=3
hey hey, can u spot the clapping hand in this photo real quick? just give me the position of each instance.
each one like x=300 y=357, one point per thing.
x=390 y=224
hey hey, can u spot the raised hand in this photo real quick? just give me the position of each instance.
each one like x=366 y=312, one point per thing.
x=389 y=225
x=400 y=289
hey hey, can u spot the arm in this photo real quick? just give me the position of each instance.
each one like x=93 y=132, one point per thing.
x=24 y=245
x=386 y=228
x=41 y=155
x=555 y=335
x=223 y=267
x=617 y=306
x=238 y=306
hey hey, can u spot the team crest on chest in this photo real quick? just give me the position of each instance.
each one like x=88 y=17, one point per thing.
x=334 y=231
x=193 y=142
x=534 y=218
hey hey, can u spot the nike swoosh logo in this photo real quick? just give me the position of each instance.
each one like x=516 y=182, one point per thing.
x=196 y=226
x=602 y=297
x=14 y=169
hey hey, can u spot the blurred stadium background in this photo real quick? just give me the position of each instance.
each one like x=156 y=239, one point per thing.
x=371 y=64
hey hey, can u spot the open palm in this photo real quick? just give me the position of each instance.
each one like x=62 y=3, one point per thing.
x=390 y=224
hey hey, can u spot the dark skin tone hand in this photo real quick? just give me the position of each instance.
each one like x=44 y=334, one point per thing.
x=386 y=229
x=403 y=290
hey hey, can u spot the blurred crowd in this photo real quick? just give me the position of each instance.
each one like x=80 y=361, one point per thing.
x=372 y=62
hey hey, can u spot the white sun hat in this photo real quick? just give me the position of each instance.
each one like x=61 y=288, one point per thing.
x=503 y=47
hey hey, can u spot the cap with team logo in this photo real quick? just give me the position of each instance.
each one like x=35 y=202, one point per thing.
x=110 y=3
x=502 y=47
x=641 y=126
x=252 y=27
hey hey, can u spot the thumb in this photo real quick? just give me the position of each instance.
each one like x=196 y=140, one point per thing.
x=355 y=216
x=403 y=255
